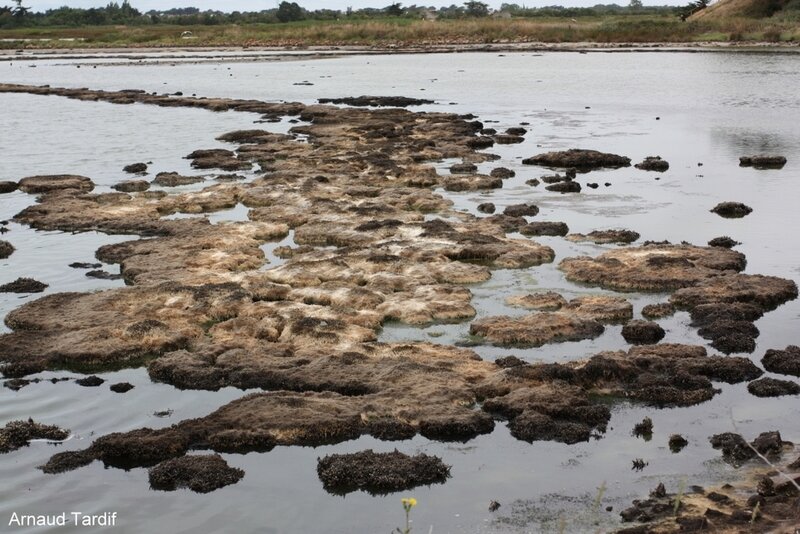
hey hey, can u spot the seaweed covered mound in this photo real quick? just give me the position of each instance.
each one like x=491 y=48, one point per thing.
x=18 y=434
x=201 y=473
x=379 y=472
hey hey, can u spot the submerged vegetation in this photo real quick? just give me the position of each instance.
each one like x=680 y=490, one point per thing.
x=395 y=25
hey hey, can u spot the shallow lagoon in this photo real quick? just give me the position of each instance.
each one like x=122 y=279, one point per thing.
x=689 y=108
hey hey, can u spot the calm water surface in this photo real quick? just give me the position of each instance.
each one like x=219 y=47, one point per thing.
x=707 y=108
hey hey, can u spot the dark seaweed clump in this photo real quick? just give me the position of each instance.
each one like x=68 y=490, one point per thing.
x=379 y=473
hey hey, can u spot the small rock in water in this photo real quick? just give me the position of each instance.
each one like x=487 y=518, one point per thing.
x=122 y=387
x=600 y=237
x=132 y=186
x=502 y=172
x=644 y=429
x=658 y=311
x=6 y=249
x=521 y=210
x=565 y=187
x=103 y=275
x=8 y=187
x=173 y=179
x=734 y=342
x=463 y=168
x=377 y=473
x=505 y=139
x=785 y=362
x=35 y=185
x=763 y=162
x=642 y=332
x=79 y=265
x=545 y=228
x=90 y=381
x=17 y=434
x=724 y=242
x=135 y=168
x=653 y=163
x=736 y=450
x=732 y=210
x=23 y=285
x=199 y=473
x=677 y=443
x=773 y=387
x=580 y=159
x=554 y=179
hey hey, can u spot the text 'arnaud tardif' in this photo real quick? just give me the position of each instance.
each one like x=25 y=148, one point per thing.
x=79 y=519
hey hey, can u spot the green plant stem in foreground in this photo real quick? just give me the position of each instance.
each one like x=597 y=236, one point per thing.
x=405 y=32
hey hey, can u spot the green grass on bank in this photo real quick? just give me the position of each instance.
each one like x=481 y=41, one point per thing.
x=405 y=32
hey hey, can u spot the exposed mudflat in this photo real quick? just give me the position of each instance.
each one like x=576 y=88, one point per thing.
x=345 y=292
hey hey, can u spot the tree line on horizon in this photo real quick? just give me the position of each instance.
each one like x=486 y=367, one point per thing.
x=18 y=15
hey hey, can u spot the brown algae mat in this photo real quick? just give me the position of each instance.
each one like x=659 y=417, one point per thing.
x=373 y=243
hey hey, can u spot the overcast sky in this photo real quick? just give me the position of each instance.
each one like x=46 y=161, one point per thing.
x=258 y=5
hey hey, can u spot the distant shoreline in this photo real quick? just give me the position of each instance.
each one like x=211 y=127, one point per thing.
x=304 y=52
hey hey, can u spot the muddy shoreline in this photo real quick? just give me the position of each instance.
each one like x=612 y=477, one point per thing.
x=290 y=53
x=358 y=195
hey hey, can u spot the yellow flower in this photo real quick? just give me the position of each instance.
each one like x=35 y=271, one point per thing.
x=411 y=502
